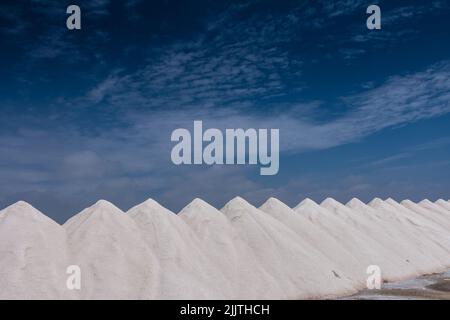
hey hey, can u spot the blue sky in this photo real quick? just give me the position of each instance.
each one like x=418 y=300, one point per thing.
x=88 y=114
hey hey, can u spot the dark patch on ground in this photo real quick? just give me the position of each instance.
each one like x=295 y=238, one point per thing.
x=335 y=274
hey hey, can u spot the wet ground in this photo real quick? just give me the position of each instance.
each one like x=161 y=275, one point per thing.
x=430 y=287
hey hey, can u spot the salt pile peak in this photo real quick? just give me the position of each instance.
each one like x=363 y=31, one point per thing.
x=306 y=202
x=102 y=210
x=215 y=234
x=311 y=209
x=184 y=262
x=107 y=244
x=427 y=204
x=24 y=210
x=362 y=208
x=401 y=232
x=444 y=204
x=198 y=213
x=33 y=252
x=420 y=233
x=225 y=248
x=411 y=216
x=425 y=212
x=425 y=224
x=240 y=252
x=355 y=202
x=337 y=256
x=380 y=237
x=366 y=250
x=149 y=206
x=274 y=243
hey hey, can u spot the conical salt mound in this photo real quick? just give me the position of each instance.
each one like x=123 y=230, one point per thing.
x=240 y=252
x=306 y=202
x=419 y=233
x=426 y=227
x=230 y=253
x=355 y=202
x=396 y=227
x=101 y=210
x=427 y=204
x=186 y=270
x=427 y=213
x=330 y=202
x=366 y=250
x=379 y=236
x=106 y=244
x=411 y=216
x=274 y=244
x=33 y=258
x=444 y=204
x=335 y=257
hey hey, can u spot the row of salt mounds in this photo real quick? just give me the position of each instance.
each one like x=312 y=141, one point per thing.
x=396 y=233
x=422 y=211
x=239 y=263
x=115 y=261
x=399 y=235
x=432 y=239
x=188 y=271
x=302 y=270
x=33 y=258
x=242 y=252
x=352 y=235
x=318 y=238
x=430 y=224
x=443 y=204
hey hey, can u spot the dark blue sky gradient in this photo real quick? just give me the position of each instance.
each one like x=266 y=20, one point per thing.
x=88 y=114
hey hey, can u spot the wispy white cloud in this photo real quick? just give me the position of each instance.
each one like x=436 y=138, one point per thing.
x=388 y=105
x=232 y=75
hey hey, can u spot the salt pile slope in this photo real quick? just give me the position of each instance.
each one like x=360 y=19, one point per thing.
x=239 y=264
x=395 y=246
x=398 y=234
x=427 y=204
x=393 y=249
x=421 y=234
x=425 y=224
x=398 y=247
x=412 y=217
x=444 y=204
x=320 y=240
x=428 y=214
x=187 y=271
x=115 y=261
x=366 y=250
x=32 y=255
x=301 y=270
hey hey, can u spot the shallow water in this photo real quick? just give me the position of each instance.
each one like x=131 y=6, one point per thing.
x=429 y=287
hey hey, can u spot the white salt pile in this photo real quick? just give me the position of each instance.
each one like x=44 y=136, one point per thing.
x=238 y=262
x=427 y=214
x=432 y=255
x=394 y=232
x=240 y=252
x=389 y=249
x=32 y=255
x=187 y=270
x=284 y=255
x=444 y=204
x=427 y=204
x=422 y=226
x=368 y=251
x=115 y=261
x=338 y=256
